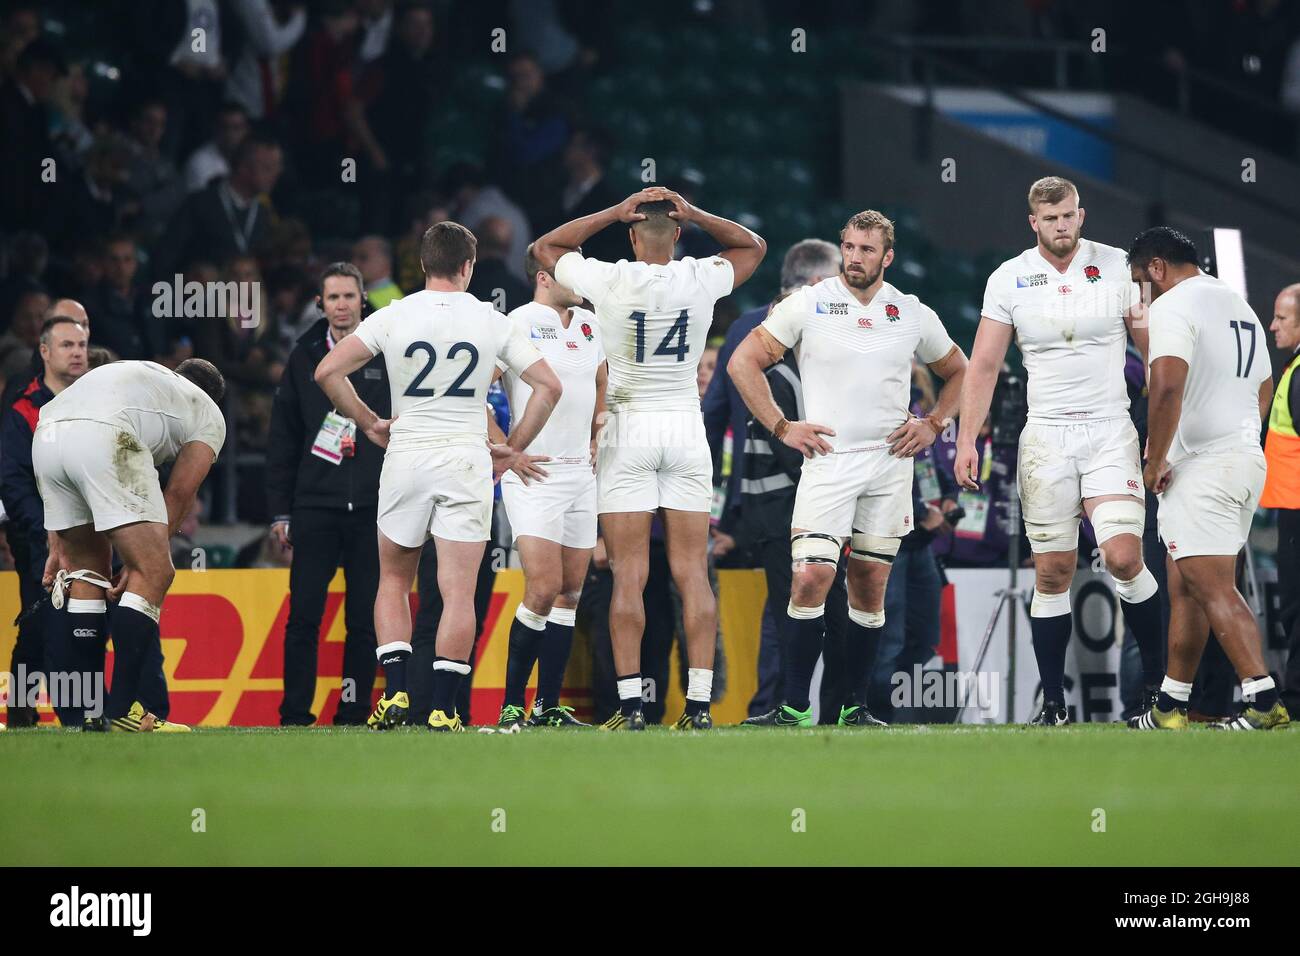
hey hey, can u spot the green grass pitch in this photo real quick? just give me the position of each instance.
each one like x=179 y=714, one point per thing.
x=936 y=795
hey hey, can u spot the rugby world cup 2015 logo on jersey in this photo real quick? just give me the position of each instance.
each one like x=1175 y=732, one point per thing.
x=539 y=332
x=1031 y=281
x=832 y=308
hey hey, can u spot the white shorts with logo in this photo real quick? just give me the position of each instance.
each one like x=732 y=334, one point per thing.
x=868 y=491
x=1209 y=502
x=1061 y=465
x=559 y=508
x=653 y=459
x=92 y=473
x=444 y=491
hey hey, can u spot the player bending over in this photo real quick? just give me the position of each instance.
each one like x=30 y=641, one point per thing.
x=1068 y=302
x=440 y=347
x=654 y=315
x=1210 y=389
x=854 y=336
x=553 y=521
x=94 y=454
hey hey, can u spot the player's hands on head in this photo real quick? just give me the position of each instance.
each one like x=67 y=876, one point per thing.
x=1156 y=476
x=682 y=210
x=379 y=431
x=627 y=208
x=966 y=467
x=913 y=436
x=806 y=437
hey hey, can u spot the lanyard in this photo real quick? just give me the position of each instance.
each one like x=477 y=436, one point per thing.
x=244 y=233
x=986 y=468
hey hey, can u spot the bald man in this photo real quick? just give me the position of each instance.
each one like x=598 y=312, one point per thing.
x=1282 y=484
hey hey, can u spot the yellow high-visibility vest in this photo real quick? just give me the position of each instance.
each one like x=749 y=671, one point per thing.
x=1282 y=448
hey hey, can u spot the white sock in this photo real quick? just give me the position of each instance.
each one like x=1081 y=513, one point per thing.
x=1249 y=688
x=699 y=683
x=1176 y=689
x=530 y=619
x=564 y=616
x=1139 y=589
x=629 y=688
x=1049 y=605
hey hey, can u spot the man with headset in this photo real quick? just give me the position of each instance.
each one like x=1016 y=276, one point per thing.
x=323 y=490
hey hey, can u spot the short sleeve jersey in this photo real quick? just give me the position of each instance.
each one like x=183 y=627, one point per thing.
x=1204 y=322
x=162 y=409
x=440 y=349
x=855 y=361
x=1070 y=329
x=575 y=355
x=654 y=320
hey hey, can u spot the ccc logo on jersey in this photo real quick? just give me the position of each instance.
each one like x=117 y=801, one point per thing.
x=864 y=322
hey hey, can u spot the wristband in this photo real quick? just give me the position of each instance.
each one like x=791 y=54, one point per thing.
x=780 y=428
x=935 y=423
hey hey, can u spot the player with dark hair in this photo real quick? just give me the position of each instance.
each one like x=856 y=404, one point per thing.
x=440 y=347
x=94 y=454
x=654 y=315
x=1069 y=304
x=1210 y=390
x=553 y=521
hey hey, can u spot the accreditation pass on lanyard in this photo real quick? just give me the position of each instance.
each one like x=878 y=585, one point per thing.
x=336 y=440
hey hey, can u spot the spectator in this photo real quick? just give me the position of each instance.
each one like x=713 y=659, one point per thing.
x=71 y=135
x=150 y=176
x=24 y=331
x=25 y=259
x=24 y=132
x=321 y=91
x=63 y=350
x=22 y=25
x=228 y=218
x=426 y=210
x=531 y=137
x=474 y=200
x=92 y=202
x=255 y=79
x=323 y=489
x=123 y=320
x=212 y=160
x=493 y=279
x=587 y=190
x=373 y=255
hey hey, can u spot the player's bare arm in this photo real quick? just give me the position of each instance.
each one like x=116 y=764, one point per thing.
x=598 y=411
x=568 y=237
x=505 y=458
x=991 y=342
x=192 y=465
x=1265 y=399
x=759 y=350
x=917 y=434
x=1136 y=321
x=1164 y=409
x=541 y=378
x=742 y=247
x=332 y=376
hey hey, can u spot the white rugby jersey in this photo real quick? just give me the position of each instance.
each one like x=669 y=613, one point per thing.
x=855 y=361
x=575 y=355
x=1070 y=329
x=1210 y=327
x=440 y=349
x=654 y=320
x=160 y=408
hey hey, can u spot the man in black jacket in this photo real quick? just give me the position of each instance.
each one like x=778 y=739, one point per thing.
x=323 y=489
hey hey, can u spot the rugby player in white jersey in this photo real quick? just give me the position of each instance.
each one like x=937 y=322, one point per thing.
x=1069 y=303
x=654 y=315
x=854 y=336
x=1211 y=386
x=94 y=453
x=553 y=521
x=440 y=346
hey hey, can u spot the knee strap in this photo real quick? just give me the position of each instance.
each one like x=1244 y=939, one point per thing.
x=873 y=547
x=63 y=581
x=1118 y=517
x=812 y=547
